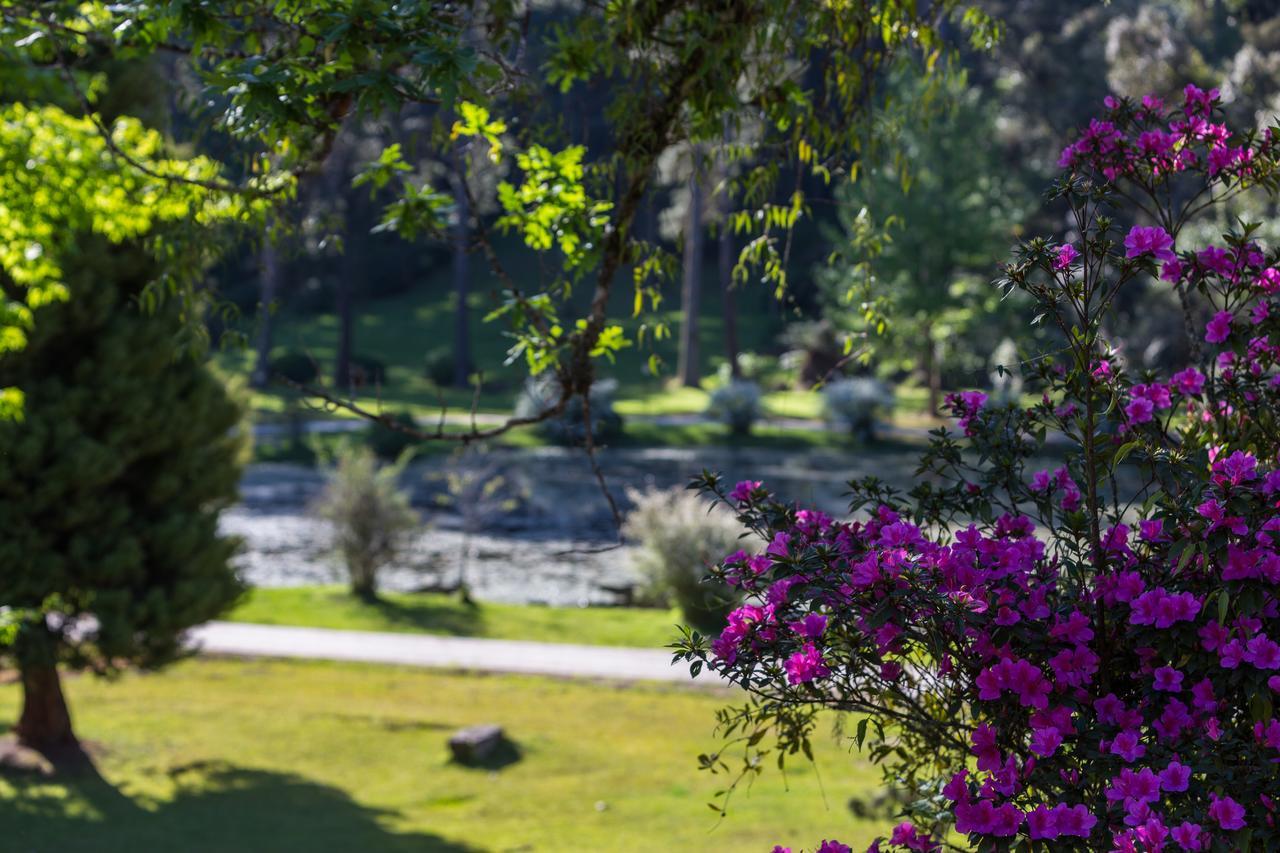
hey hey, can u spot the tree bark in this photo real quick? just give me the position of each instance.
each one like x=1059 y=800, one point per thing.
x=461 y=238
x=45 y=723
x=342 y=305
x=691 y=292
x=728 y=304
x=932 y=371
x=335 y=184
x=268 y=288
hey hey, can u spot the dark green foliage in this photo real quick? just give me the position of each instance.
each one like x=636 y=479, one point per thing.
x=439 y=366
x=387 y=443
x=111 y=486
x=296 y=366
x=367 y=371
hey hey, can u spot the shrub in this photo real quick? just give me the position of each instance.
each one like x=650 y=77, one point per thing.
x=737 y=404
x=816 y=351
x=1006 y=374
x=568 y=428
x=439 y=366
x=1109 y=684
x=367 y=371
x=855 y=404
x=387 y=443
x=370 y=514
x=296 y=366
x=677 y=540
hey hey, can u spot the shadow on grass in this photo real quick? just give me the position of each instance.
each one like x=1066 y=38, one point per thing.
x=214 y=807
x=449 y=617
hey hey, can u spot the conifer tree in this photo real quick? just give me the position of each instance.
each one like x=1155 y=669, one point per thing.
x=110 y=485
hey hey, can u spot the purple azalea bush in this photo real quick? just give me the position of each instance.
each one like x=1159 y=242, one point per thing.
x=1081 y=655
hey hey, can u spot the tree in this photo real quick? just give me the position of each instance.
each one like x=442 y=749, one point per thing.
x=284 y=79
x=461 y=245
x=688 y=368
x=939 y=211
x=127 y=446
x=269 y=291
x=725 y=256
x=111 y=485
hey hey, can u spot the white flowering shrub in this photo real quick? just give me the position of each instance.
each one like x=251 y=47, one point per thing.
x=855 y=404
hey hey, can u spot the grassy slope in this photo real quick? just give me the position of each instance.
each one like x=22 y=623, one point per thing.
x=400 y=330
x=332 y=607
x=292 y=756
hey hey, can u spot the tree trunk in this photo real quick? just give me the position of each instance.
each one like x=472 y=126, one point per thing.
x=45 y=723
x=727 y=301
x=342 y=305
x=335 y=183
x=268 y=288
x=691 y=291
x=932 y=372
x=461 y=277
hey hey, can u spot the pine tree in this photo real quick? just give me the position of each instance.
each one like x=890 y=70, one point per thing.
x=111 y=485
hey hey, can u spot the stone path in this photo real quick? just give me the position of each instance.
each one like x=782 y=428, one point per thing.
x=421 y=650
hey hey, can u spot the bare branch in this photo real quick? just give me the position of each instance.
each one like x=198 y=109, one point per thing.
x=332 y=403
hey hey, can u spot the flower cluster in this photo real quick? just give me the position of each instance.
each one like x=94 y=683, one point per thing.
x=1089 y=652
x=1144 y=142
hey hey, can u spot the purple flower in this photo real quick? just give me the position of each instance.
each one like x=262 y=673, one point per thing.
x=1156 y=143
x=1227 y=812
x=1168 y=679
x=742 y=492
x=806 y=665
x=1128 y=746
x=1066 y=255
x=1151 y=529
x=1175 y=777
x=1187 y=835
x=1152 y=240
x=1075 y=820
x=834 y=847
x=1219 y=328
x=1142 y=786
x=1198 y=100
x=1042 y=822
x=1188 y=381
x=957 y=790
x=906 y=835
x=1172 y=270
x=1045 y=742
x=811 y=626
x=1216 y=259
x=1139 y=411
x=1263 y=652
x=1239 y=467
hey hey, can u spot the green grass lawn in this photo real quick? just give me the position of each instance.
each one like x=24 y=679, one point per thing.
x=221 y=755
x=334 y=607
